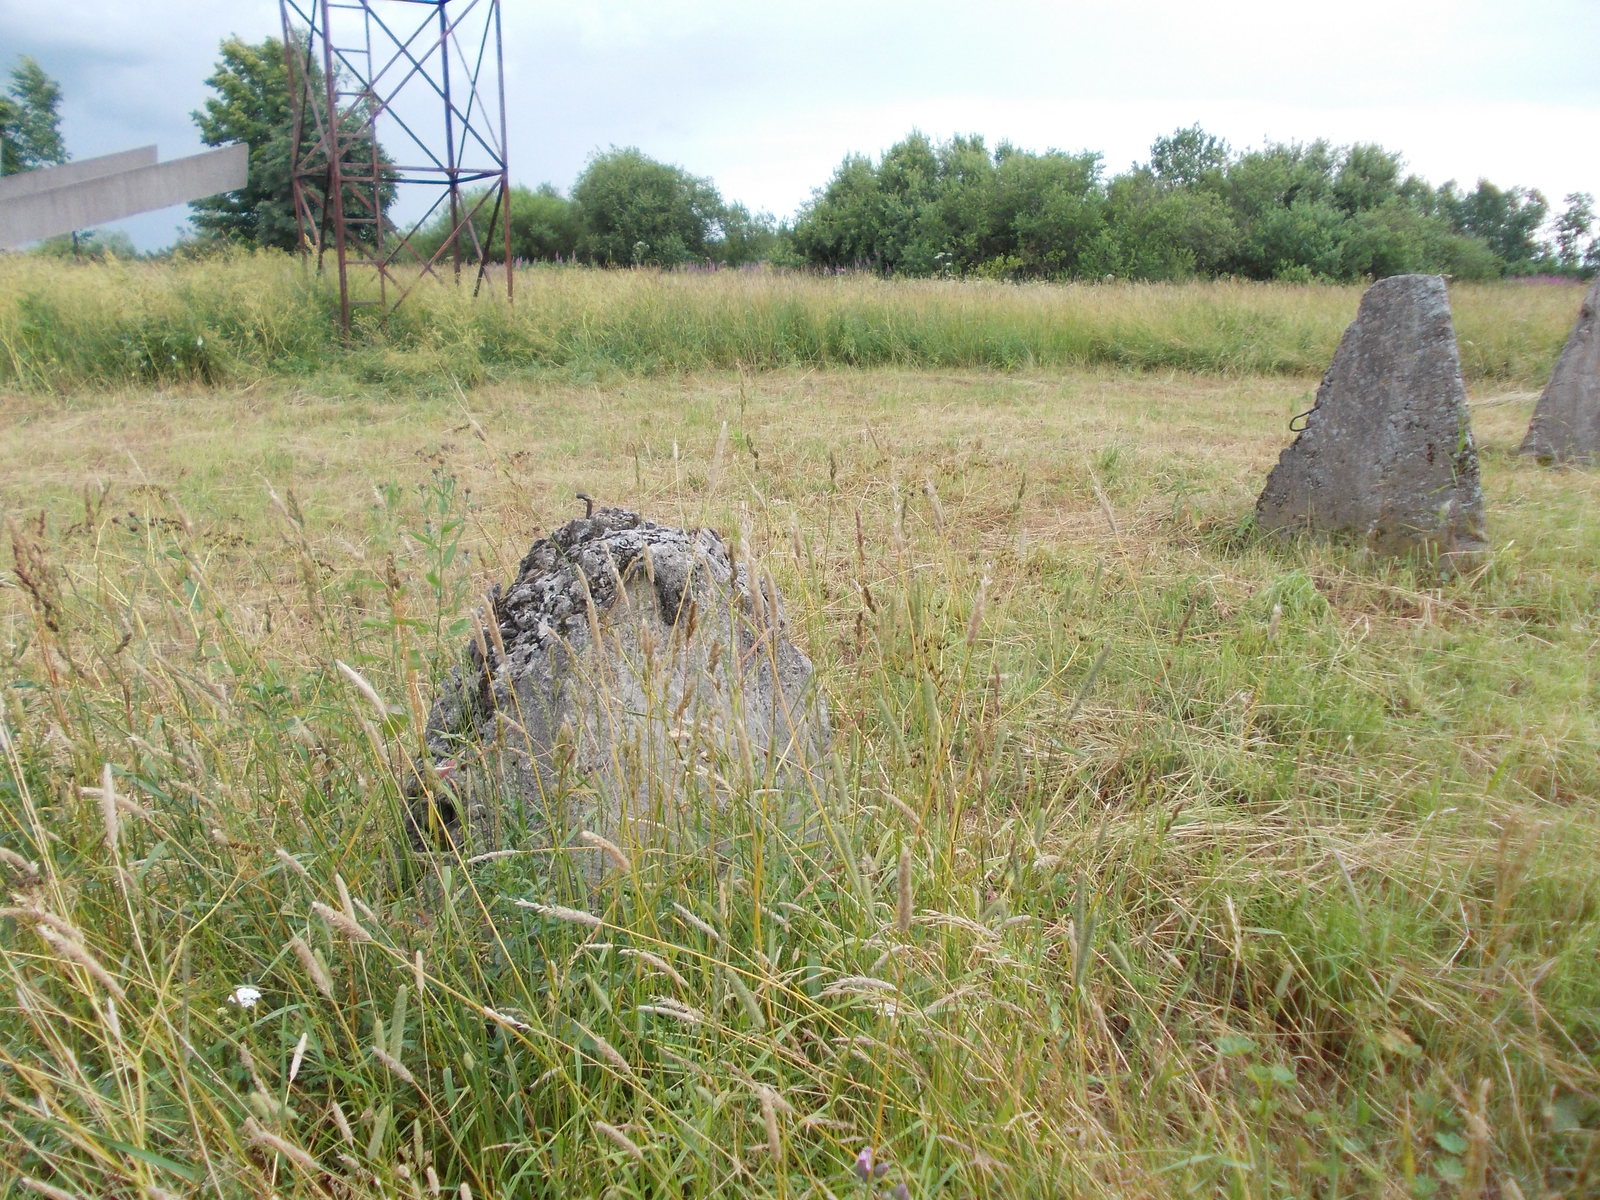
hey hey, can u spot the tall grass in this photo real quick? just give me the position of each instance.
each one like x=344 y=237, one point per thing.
x=1153 y=860
x=251 y=318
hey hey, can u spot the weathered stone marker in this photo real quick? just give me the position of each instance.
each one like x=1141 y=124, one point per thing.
x=1566 y=421
x=1386 y=454
x=631 y=683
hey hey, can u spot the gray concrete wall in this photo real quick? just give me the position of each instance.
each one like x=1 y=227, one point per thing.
x=92 y=202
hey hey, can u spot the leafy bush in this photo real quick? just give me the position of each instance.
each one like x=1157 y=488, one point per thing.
x=1285 y=211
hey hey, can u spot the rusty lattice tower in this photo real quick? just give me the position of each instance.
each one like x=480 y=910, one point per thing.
x=398 y=101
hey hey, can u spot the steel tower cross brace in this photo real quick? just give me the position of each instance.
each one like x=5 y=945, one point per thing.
x=400 y=100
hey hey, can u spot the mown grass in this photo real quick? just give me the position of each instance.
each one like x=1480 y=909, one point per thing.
x=1154 y=859
x=253 y=318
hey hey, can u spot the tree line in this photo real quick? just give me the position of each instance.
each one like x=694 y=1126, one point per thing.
x=1195 y=209
x=628 y=210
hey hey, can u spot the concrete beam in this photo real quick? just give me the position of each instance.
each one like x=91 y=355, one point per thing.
x=29 y=183
x=92 y=202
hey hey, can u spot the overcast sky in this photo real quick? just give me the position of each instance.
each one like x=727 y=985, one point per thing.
x=767 y=98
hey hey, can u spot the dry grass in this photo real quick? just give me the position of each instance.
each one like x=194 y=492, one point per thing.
x=1167 y=861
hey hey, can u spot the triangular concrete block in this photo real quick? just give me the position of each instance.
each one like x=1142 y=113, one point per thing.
x=1386 y=455
x=1566 y=421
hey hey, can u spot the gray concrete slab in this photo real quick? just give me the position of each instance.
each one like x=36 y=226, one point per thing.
x=92 y=202
x=1387 y=456
x=1566 y=423
x=30 y=183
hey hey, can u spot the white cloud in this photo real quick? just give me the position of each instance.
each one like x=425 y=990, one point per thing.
x=766 y=99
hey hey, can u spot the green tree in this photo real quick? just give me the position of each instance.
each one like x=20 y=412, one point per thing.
x=1507 y=220
x=30 y=120
x=1574 y=245
x=746 y=237
x=1054 y=204
x=964 y=218
x=1368 y=177
x=836 y=229
x=928 y=210
x=253 y=104
x=1187 y=156
x=88 y=244
x=1169 y=219
x=890 y=217
x=1296 y=211
x=905 y=238
x=544 y=227
x=636 y=211
x=1168 y=232
x=1283 y=200
x=1391 y=238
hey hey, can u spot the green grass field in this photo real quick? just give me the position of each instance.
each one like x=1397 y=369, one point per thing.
x=1158 y=859
x=260 y=317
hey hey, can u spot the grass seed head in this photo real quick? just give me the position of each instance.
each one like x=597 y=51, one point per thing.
x=397 y=1068
x=621 y=1139
x=340 y=921
x=315 y=971
x=48 y=1190
x=70 y=948
x=368 y=692
x=559 y=912
x=257 y=1134
x=108 y=808
x=609 y=848
x=903 y=892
